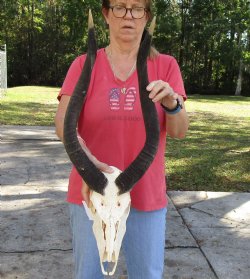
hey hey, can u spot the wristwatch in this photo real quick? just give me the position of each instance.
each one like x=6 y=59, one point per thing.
x=174 y=110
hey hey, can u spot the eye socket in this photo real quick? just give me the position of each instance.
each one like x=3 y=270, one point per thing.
x=118 y=204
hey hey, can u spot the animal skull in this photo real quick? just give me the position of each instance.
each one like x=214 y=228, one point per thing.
x=109 y=213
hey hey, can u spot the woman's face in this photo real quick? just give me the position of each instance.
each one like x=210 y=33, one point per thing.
x=126 y=29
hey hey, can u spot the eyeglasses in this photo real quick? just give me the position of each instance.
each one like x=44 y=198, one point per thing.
x=136 y=12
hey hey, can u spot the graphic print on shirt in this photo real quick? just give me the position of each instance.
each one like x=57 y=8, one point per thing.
x=130 y=99
x=114 y=99
x=119 y=101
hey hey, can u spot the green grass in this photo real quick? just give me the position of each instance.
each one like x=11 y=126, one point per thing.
x=29 y=105
x=214 y=156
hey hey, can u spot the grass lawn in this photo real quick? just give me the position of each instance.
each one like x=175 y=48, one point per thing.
x=215 y=155
x=29 y=105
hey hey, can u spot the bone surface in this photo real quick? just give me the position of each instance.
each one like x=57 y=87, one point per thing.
x=109 y=213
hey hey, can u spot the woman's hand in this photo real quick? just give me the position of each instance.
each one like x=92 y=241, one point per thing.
x=100 y=165
x=161 y=91
x=86 y=193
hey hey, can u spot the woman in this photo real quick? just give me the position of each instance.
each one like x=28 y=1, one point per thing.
x=111 y=131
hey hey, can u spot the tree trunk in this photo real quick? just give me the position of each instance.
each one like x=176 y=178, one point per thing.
x=182 y=35
x=239 y=81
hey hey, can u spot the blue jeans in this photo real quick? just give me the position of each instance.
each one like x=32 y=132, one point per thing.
x=143 y=244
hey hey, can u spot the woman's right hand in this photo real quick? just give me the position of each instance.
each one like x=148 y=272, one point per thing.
x=100 y=165
x=86 y=193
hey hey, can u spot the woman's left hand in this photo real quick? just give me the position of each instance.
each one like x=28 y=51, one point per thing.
x=161 y=91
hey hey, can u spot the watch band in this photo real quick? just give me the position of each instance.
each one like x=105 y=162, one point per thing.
x=174 y=110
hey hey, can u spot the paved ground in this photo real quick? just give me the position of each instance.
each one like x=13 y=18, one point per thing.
x=208 y=233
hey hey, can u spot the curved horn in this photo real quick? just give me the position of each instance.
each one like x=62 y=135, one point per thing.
x=126 y=180
x=95 y=179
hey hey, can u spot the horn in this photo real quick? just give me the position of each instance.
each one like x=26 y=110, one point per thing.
x=95 y=179
x=126 y=180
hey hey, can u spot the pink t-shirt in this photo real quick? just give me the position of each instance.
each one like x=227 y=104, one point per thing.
x=112 y=126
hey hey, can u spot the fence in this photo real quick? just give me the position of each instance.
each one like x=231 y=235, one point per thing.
x=3 y=70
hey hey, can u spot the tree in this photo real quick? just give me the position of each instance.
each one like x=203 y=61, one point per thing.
x=210 y=40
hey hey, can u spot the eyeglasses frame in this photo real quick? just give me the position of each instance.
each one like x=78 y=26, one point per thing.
x=127 y=9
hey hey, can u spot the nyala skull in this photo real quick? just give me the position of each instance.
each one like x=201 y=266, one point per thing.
x=109 y=213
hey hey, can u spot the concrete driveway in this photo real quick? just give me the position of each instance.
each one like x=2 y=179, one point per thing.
x=208 y=233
